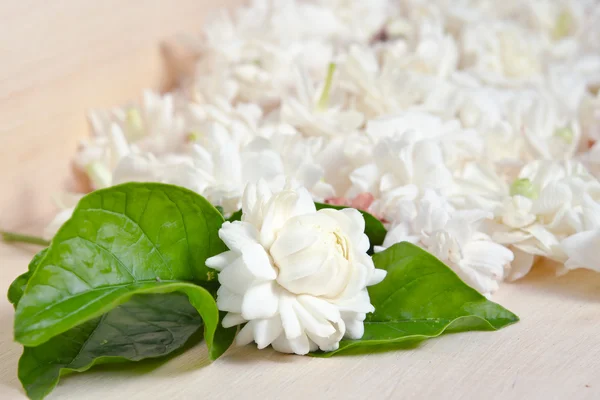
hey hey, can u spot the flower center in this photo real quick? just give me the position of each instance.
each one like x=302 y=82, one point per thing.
x=565 y=134
x=563 y=25
x=523 y=187
x=341 y=244
x=134 y=119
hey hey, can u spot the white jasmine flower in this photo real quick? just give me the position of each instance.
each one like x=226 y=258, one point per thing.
x=457 y=239
x=549 y=134
x=295 y=276
x=318 y=112
x=99 y=157
x=155 y=125
x=502 y=53
x=398 y=163
x=582 y=247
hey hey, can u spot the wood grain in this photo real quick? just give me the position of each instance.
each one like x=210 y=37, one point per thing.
x=63 y=57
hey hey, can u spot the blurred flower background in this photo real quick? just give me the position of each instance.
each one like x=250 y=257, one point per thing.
x=470 y=128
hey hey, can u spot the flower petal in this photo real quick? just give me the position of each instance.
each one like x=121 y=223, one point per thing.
x=257 y=261
x=582 y=250
x=220 y=261
x=228 y=300
x=266 y=331
x=355 y=326
x=289 y=319
x=521 y=265
x=232 y=319
x=245 y=335
x=238 y=234
x=312 y=323
x=237 y=277
x=318 y=306
x=377 y=276
x=260 y=301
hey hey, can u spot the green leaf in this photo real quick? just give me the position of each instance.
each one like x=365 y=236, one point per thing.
x=236 y=216
x=222 y=340
x=147 y=326
x=374 y=228
x=128 y=239
x=16 y=289
x=420 y=298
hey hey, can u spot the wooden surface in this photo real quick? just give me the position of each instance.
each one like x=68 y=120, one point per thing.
x=553 y=353
x=59 y=59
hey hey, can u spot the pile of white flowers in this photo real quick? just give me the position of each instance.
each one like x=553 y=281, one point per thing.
x=470 y=128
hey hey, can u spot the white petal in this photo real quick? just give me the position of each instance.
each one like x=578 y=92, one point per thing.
x=289 y=319
x=311 y=323
x=484 y=284
x=266 y=330
x=257 y=261
x=486 y=258
x=591 y=211
x=318 y=306
x=332 y=342
x=238 y=234
x=222 y=260
x=355 y=326
x=229 y=301
x=260 y=301
x=232 y=319
x=237 y=277
x=300 y=345
x=400 y=233
x=291 y=240
x=279 y=210
x=358 y=280
x=552 y=198
x=359 y=303
x=377 y=276
x=325 y=344
x=350 y=221
x=119 y=145
x=245 y=335
x=283 y=345
x=582 y=250
x=521 y=265
x=363 y=178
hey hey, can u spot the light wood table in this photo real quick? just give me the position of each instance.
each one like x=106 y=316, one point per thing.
x=61 y=58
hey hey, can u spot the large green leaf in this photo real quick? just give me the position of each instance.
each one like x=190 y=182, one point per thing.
x=374 y=228
x=16 y=289
x=127 y=239
x=146 y=326
x=421 y=298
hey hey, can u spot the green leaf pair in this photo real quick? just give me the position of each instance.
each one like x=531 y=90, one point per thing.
x=124 y=279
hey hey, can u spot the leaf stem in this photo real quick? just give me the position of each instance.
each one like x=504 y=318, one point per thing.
x=20 y=238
